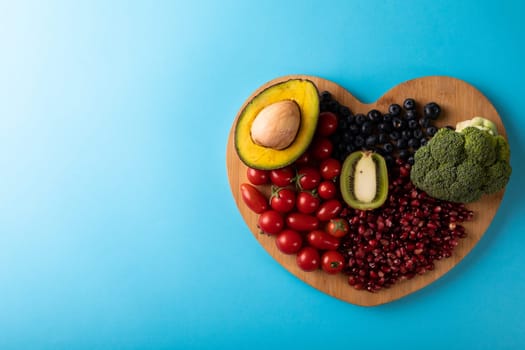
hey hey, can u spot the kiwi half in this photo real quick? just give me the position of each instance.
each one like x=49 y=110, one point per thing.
x=364 y=180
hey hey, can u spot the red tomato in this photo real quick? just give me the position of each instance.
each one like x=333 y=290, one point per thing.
x=282 y=199
x=307 y=202
x=304 y=159
x=302 y=222
x=322 y=240
x=321 y=148
x=258 y=177
x=330 y=168
x=332 y=262
x=327 y=124
x=329 y=210
x=337 y=227
x=289 y=241
x=271 y=222
x=308 y=178
x=308 y=259
x=282 y=177
x=327 y=190
x=254 y=199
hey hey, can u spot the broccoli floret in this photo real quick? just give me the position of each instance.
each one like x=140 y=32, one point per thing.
x=497 y=176
x=462 y=166
x=479 y=146
x=441 y=179
x=502 y=149
x=447 y=146
x=423 y=163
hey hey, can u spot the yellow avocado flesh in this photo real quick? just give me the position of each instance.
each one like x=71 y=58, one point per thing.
x=302 y=92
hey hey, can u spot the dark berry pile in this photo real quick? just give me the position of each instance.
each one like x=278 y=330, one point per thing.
x=396 y=133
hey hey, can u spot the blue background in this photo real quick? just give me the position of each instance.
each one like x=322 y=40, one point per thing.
x=117 y=226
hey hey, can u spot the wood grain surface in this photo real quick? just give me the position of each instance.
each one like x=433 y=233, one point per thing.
x=459 y=101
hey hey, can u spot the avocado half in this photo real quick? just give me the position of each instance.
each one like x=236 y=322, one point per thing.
x=301 y=91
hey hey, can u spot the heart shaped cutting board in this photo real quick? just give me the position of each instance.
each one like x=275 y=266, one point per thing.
x=459 y=101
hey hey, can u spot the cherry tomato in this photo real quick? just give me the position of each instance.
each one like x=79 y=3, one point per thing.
x=327 y=124
x=330 y=168
x=332 y=262
x=289 y=241
x=322 y=240
x=337 y=227
x=271 y=222
x=282 y=199
x=307 y=202
x=258 y=177
x=282 y=177
x=308 y=259
x=327 y=190
x=253 y=198
x=308 y=178
x=329 y=210
x=321 y=148
x=304 y=159
x=302 y=222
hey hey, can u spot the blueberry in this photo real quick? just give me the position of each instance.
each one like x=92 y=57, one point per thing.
x=406 y=134
x=411 y=114
x=323 y=106
x=326 y=96
x=382 y=138
x=344 y=111
x=394 y=135
x=423 y=141
x=414 y=143
x=404 y=154
x=450 y=127
x=394 y=109
x=354 y=128
x=367 y=128
x=409 y=104
x=388 y=148
x=387 y=118
x=384 y=127
x=360 y=119
x=350 y=118
x=424 y=122
x=401 y=144
x=410 y=160
x=412 y=124
x=371 y=140
x=359 y=141
x=341 y=147
x=418 y=133
x=432 y=110
x=333 y=106
x=343 y=124
x=431 y=130
x=349 y=148
x=347 y=136
x=398 y=123
x=374 y=115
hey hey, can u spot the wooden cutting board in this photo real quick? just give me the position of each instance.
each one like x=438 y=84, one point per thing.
x=459 y=101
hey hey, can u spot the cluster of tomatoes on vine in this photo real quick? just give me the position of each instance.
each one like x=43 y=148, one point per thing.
x=304 y=206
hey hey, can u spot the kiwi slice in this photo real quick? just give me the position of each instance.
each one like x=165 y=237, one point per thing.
x=364 y=180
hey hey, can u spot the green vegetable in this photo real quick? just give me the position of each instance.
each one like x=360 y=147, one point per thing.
x=480 y=123
x=462 y=166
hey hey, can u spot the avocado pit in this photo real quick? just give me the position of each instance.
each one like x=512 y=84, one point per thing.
x=276 y=125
